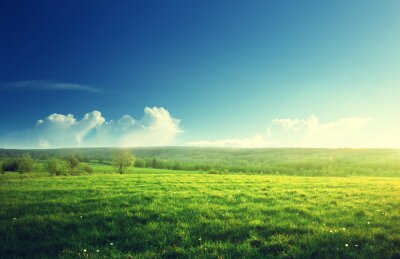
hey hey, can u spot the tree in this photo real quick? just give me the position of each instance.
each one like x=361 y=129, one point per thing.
x=139 y=162
x=56 y=166
x=122 y=159
x=25 y=164
x=154 y=163
x=177 y=166
x=73 y=162
x=10 y=164
x=101 y=160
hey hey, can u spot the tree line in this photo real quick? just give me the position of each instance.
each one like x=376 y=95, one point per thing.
x=70 y=164
x=285 y=161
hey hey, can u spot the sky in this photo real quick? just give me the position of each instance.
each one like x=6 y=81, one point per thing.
x=200 y=73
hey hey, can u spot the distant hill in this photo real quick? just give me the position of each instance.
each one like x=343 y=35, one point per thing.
x=287 y=161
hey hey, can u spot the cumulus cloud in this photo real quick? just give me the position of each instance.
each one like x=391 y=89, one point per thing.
x=48 y=85
x=309 y=132
x=155 y=128
x=258 y=140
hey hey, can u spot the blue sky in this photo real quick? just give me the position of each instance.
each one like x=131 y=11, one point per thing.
x=224 y=72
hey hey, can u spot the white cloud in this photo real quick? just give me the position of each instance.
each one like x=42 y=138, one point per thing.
x=258 y=140
x=311 y=132
x=48 y=85
x=155 y=128
x=158 y=128
x=308 y=132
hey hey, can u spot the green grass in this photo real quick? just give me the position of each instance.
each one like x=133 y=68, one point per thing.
x=164 y=213
x=105 y=168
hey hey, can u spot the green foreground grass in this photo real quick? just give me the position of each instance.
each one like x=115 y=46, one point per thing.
x=155 y=213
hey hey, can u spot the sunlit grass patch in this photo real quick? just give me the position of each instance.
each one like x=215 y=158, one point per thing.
x=189 y=215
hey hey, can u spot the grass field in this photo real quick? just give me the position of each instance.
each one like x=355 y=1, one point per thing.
x=163 y=213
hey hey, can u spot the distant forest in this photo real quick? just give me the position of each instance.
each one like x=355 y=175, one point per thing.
x=285 y=161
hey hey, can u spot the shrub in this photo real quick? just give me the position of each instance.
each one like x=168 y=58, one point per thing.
x=72 y=161
x=225 y=171
x=10 y=165
x=81 y=169
x=56 y=166
x=25 y=164
x=177 y=166
x=140 y=162
x=213 y=171
x=87 y=169
x=1 y=167
x=157 y=163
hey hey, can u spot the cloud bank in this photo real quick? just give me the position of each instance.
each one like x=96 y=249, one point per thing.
x=158 y=128
x=308 y=132
x=155 y=128
x=48 y=85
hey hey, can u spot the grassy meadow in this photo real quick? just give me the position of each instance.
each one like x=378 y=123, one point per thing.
x=152 y=213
